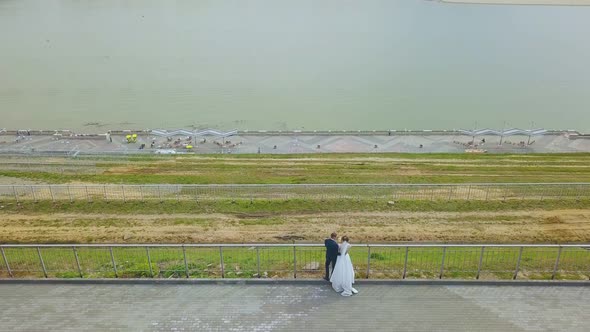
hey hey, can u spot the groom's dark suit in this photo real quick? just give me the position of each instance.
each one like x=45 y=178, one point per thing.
x=331 y=255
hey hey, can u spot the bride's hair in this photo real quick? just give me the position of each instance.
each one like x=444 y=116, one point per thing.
x=345 y=238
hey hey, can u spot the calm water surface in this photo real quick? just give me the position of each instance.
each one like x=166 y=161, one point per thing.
x=286 y=64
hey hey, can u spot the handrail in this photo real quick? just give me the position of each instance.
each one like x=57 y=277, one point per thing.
x=420 y=260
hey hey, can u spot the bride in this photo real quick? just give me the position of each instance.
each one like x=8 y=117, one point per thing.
x=343 y=275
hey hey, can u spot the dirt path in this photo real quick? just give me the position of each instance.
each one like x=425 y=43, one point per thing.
x=492 y=227
x=7 y=180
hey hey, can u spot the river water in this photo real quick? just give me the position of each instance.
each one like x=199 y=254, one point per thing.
x=285 y=64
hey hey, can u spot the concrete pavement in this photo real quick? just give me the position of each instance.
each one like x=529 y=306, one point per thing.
x=290 y=143
x=291 y=307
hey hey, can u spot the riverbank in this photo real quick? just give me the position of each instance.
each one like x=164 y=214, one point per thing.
x=291 y=142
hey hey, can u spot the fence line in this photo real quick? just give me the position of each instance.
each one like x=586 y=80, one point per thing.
x=375 y=261
x=195 y=192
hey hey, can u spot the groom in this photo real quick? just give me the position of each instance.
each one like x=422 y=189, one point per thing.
x=331 y=254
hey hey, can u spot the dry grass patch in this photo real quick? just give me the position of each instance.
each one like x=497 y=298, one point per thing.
x=375 y=227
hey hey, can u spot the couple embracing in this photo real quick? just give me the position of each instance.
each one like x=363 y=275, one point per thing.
x=337 y=258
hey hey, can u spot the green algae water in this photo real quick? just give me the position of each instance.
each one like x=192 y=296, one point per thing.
x=298 y=65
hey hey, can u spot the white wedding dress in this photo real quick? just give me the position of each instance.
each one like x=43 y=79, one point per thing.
x=343 y=275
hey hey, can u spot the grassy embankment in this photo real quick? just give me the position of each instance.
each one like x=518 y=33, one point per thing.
x=336 y=168
x=530 y=221
x=302 y=221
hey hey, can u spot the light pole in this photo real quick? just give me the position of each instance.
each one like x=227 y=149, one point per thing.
x=530 y=133
x=502 y=133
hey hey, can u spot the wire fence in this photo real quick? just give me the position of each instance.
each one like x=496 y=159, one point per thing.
x=389 y=192
x=374 y=261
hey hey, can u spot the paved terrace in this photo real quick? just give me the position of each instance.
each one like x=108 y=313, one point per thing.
x=289 y=143
x=292 y=307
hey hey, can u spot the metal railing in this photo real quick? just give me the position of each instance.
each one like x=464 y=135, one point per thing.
x=375 y=261
x=393 y=192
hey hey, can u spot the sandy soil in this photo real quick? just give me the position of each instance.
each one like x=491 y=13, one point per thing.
x=491 y=227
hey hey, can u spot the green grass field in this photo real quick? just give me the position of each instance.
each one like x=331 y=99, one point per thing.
x=271 y=207
x=490 y=219
x=321 y=168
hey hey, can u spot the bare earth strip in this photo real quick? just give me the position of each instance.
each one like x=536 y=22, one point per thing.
x=534 y=226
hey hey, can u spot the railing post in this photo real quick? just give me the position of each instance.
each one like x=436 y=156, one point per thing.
x=33 y=193
x=185 y=262
x=487 y=192
x=368 y=260
x=147 y=251
x=87 y=196
x=123 y=190
x=42 y=262
x=15 y=194
x=518 y=263
x=221 y=261
x=113 y=261
x=294 y=261
x=405 y=263
x=104 y=188
x=159 y=194
x=442 y=263
x=51 y=192
x=468 y=192
x=258 y=260
x=141 y=193
x=178 y=194
x=450 y=193
x=77 y=261
x=480 y=261
x=6 y=262
x=556 y=263
x=70 y=194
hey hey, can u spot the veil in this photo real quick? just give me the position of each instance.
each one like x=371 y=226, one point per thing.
x=344 y=248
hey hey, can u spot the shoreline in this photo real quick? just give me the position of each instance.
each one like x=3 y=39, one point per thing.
x=211 y=141
x=235 y=132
